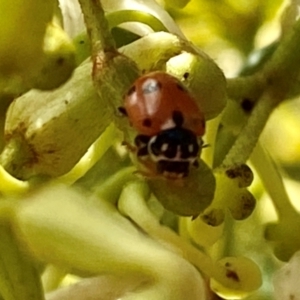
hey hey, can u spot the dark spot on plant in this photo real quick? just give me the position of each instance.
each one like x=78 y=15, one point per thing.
x=186 y=75
x=50 y=151
x=60 y=61
x=232 y=275
x=243 y=172
x=247 y=105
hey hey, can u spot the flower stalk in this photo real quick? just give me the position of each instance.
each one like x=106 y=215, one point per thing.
x=97 y=27
x=278 y=77
x=248 y=137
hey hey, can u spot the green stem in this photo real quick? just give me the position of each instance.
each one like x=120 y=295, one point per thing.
x=97 y=27
x=210 y=140
x=118 y=17
x=284 y=66
x=52 y=277
x=111 y=188
x=272 y=182
x=91 y=157
x=245 y=87
x=278 y=76
x=112 y=72
x=248 y=137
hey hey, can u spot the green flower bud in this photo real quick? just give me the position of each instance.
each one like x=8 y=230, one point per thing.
x=204 y=79
x=83 y=47
x=51 y=136
x=151 y=52
x=200 y=232
x=242 y=174
x=243 y=274
x=58 y=61
x=286 y=280
x=284 y=236
x=231 y=193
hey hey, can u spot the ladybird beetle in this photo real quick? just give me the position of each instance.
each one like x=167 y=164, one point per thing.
x=169 y=122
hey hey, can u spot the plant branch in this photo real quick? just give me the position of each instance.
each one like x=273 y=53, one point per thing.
x=97 y=27
x=272 y=182
x=112 y=72
x=248 y=137
x=284 y=66
x=278 y=75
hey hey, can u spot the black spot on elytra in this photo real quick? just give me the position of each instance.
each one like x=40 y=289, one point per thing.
x=147 y=123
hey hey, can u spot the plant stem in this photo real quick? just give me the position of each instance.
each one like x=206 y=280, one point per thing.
x=279 y=74
x=245 y=87
x=91 y=157
x=116 y=18
x=276 y=74
x=248 y=137
x=284 y=66
x=272 y=182
x=132 y=204
x=97 y=27
x=210 y=140
x=52 y=277
x=112 y=72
